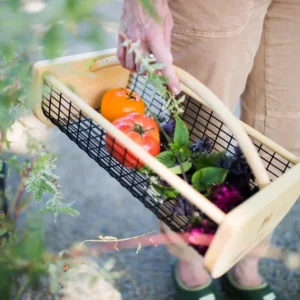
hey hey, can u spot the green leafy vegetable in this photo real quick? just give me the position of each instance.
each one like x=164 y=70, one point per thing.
x=205 y=177
x=186 y=167
x=185 y=153
x=201 y=161
x=165 y=191
x=181 y=135
x=54 y=41
x=168 y=158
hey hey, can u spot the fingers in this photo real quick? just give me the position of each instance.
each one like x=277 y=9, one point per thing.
x=144 y=50
x=160 y=52
x=127 y=60
x=130 y=61
x=121 y=52
x=163 y=55
x=157 y=42
x=173 y=84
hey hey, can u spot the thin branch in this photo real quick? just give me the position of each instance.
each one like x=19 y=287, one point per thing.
x=16 y=200
x=289 y=258
x=114 y=239
x=15 y=204
x=22 y=289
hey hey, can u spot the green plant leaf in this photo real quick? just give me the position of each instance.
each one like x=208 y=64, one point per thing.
x=185 y=153
x=54 y=41
x=13 y=161
x=174 y=147
x=15 y=4
x=168 y=158
x=78 y=10
x=145 y=170
x=158 y=66
x=205 y=177
x=165 y=191
x=181 y=135
x=186 y=167
x=201 y=161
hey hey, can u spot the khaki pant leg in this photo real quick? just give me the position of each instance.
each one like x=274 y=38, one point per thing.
x=216 y=41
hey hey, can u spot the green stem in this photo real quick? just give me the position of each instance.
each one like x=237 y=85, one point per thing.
x=22 y=289
x=163 y=131
x=169 y=141
x=15 y=203
x=130 y=95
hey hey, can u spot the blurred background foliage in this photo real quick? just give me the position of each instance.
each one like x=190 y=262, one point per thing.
x=32 y=30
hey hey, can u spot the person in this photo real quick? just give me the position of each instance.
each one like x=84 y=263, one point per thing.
x=246 y=49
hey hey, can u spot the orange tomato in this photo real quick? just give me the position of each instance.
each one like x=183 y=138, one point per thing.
x=117 y=103
x=142 y=130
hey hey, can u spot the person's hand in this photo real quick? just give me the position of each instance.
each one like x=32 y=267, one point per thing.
x=155 y=37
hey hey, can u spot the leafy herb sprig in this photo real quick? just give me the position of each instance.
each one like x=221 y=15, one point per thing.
x=200 y=167
x=152 y=69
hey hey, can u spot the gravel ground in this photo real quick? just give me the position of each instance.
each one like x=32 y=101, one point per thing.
x=108 y=209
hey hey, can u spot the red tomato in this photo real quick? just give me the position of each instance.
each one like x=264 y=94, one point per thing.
x=118 y=103
x=142 y=130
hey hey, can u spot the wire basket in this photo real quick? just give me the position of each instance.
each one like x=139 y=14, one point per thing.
x=77 y=115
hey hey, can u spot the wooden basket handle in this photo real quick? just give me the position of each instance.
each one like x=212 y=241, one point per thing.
x=219 y=108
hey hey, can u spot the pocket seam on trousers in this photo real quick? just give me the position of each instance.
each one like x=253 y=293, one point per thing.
x=230 y=32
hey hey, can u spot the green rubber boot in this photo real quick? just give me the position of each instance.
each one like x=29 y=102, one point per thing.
x=208 y=291
x=262 y=292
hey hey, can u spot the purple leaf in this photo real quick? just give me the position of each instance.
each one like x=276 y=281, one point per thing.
x=203 y=145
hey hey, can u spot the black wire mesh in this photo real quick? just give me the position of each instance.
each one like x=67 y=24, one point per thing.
x=92 y=139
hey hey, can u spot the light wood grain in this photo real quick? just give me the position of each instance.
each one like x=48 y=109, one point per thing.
x=249 y=223
x=74 y=72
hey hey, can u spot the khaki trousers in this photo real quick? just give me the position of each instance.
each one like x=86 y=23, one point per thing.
x=248 y=49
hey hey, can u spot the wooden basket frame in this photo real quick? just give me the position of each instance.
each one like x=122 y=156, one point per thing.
x=249 y=223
